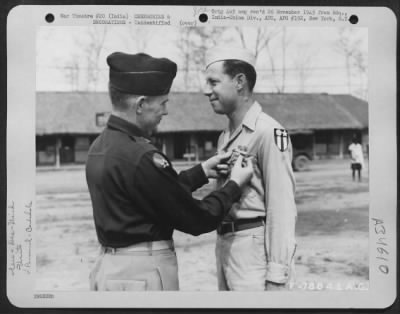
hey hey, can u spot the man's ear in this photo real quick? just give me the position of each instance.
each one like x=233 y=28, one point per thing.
x=139 y=104
x=241 y=80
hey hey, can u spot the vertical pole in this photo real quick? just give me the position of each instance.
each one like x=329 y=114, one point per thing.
x=58 y=148
x=164 y=145
x=341 y=144
x=314 y=153
x=194 y=139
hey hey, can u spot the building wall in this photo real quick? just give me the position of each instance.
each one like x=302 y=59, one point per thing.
x=66 y=149
x=62 y=149
x=82 y=144
x=335 y=143
x=45 y=150
x=365 y=142
x=200 y=145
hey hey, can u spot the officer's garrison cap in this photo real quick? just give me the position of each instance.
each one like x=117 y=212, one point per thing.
x=141 y=74
x=229 y=53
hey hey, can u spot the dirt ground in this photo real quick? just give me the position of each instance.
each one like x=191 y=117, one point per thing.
x=332 y=233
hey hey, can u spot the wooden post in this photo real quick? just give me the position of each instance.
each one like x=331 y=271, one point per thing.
x=58 y=148
x=164 y=145
x=193 y=139
x=313 y=146
x=341 y=143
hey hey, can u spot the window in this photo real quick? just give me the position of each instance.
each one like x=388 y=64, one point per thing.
x=102 y=118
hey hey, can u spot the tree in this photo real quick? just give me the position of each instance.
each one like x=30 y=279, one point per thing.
x=349 y=45
x=193 y=43
x=263 y=36
x=138 y=38
x=85 y=61
x=262 y=39
x=185 y=47
x=302 y=62
x=276 y=53
x=284 y=42
x=360 y=64
x=73 y=71
x=96 y=36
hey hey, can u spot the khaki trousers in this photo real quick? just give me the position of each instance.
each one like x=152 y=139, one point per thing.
x=135 y=271
x=241 y=260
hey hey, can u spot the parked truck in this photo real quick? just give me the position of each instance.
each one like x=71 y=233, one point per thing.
x=302 y=150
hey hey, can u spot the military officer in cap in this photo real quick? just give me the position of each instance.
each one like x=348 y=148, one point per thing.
x=256 y=241
x=137 y=197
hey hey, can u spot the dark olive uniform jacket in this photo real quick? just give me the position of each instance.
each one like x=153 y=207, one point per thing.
x=137 y=196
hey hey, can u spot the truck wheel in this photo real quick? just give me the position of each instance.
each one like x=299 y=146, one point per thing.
x=301 y=163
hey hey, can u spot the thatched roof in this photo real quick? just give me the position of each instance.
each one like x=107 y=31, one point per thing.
x=313 y=111
x=355 y=106
x=74 y=112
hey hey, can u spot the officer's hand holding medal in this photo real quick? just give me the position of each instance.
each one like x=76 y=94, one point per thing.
x=242 y=170
x=237 y=163
x=217 y=166
x=225 y=167
x=236 y=152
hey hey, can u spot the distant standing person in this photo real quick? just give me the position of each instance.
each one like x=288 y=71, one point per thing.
x=357 y=158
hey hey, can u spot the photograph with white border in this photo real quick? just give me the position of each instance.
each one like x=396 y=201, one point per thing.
x=317 y=75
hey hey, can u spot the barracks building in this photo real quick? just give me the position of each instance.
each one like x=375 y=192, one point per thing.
x=320 y=125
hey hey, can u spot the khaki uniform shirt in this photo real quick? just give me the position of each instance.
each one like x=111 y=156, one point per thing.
x=271 y=191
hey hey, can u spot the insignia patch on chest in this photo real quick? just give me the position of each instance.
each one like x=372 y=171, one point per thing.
x=160 y=161
x=281 y=137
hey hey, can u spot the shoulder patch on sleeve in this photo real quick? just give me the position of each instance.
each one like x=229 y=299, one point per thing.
x=159 y=161
x=281 y=138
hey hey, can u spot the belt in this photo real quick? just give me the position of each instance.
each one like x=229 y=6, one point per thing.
x=240 y=224
x=143 y=247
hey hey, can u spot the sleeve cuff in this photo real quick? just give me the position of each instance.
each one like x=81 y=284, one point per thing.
x=199 y=175
x=277 y=273
x=233 y=189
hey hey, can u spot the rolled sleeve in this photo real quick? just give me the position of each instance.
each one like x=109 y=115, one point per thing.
x=193 y=178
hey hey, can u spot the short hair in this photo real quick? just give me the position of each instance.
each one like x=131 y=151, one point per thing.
x=118 y=98
x=356 y=138
x=234 y=67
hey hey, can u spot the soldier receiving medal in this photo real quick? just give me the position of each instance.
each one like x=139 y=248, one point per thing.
x=256 y=240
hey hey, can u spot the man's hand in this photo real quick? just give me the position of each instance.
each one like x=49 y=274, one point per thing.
x=272 y=286
x=216 y=166
x=242 y=171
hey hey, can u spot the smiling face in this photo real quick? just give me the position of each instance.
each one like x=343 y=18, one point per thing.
x=221 y=89
x=151 y=111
